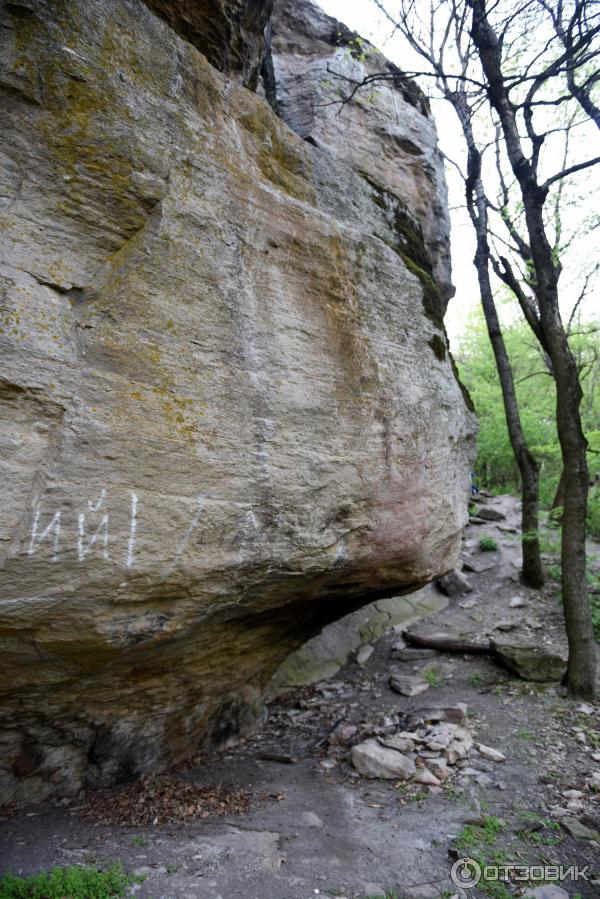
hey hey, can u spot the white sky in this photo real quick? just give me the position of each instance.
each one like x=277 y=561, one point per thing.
x=364 y=17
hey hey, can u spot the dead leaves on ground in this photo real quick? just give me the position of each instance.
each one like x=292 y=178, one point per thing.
x=162 y=799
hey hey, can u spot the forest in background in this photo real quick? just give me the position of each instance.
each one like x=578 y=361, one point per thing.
x=495 y=468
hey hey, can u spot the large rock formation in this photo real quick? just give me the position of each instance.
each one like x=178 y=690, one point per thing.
x=387 y=133
x=228 y=412
x=230 y=33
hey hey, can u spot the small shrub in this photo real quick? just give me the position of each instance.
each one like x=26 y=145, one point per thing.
x=488 y=545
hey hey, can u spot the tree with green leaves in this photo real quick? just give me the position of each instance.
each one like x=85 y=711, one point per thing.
x=488 y=33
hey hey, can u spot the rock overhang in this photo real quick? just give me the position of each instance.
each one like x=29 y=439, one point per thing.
x=224 y=422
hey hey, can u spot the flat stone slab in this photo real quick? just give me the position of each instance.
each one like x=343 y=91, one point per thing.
x=408 y=686
x=478 y=564
x=579 y=831
x=410 y=654
x=491 y=514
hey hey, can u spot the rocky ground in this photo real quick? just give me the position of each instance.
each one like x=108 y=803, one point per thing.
x=355 y=789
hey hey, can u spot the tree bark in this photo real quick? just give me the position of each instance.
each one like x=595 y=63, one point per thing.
x=559 y=498
x=581 y=671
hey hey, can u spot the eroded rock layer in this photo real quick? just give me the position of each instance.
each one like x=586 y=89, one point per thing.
x=230 y=33
x=227 y=411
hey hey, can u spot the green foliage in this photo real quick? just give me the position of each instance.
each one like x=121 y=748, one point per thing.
x=431 y=676
x=356 y=47
x=477 y=841
x=550 y=542
x=484 y=835
x=496 y=890
x=74 y=883
x=495 y=467
x=535 y=833
x=488 y=545
x=555 y=572
x=594 y=511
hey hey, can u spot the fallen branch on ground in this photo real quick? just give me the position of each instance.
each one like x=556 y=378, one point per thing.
x=445 y=643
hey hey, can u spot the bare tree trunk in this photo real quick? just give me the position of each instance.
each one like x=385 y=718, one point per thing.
x=581 y=673
x=578 y=619
x=532 y=571
x=559 y=498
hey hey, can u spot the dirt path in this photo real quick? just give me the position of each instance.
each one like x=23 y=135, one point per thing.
x=317 y=828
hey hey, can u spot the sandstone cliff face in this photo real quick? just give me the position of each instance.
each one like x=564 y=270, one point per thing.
x=386 y=133
x=228 y=415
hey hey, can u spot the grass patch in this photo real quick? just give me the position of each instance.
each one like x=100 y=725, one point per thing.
x=477 y=841
x=487 y=545
x=484 y=834
x=535 y=825
x=67 y=883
